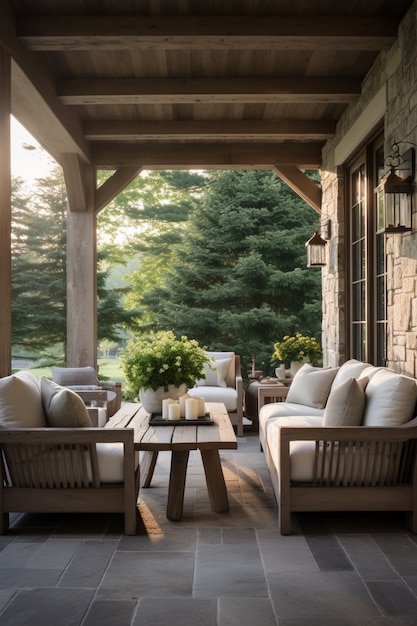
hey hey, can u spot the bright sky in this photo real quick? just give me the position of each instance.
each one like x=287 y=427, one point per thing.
x=27 y=163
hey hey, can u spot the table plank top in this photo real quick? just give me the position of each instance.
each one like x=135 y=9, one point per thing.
x=219 y=435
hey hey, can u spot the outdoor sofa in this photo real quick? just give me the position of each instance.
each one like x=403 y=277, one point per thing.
x=343 y=440
x=53 y=460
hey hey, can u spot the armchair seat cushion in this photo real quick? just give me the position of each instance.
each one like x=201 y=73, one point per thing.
x=227 y=395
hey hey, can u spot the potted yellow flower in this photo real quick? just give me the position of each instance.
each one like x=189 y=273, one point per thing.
x=297 y=349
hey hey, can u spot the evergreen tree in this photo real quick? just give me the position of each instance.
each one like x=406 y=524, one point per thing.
x=39 y=283
x=241 y=282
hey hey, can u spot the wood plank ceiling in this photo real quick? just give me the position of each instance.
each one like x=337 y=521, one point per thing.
x=191 y=83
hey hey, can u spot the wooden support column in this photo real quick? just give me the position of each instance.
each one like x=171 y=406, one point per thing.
x=81 y=263
x=5 y=217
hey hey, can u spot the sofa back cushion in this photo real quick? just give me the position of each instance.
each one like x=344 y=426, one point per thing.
x=346 y=403
x=63 y=407
x=350 y=369
x=74 y=376
x=390 y=399
x=20 y=402
x=311 y=386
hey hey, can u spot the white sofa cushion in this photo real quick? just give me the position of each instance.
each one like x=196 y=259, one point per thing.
x=346 y=403
x=286 y=409
x=63 y=407
x=311 y=386
x=20 y=402
x=390 y=399
x=350 y=369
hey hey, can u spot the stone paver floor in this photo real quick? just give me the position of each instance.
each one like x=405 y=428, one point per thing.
x=230 y=569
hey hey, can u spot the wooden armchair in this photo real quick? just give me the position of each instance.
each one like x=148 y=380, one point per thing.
x=85 y=380
x=58 y=470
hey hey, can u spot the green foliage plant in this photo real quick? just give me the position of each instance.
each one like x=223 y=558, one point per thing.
x=297 y=348
x=161 y=359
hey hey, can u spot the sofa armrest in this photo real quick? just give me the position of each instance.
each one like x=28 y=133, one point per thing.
x=353 y=456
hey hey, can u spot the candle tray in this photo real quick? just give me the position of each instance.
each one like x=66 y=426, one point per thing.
x=157 y=420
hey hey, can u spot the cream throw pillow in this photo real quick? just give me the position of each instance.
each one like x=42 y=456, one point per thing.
x=216 y=377
x=20 y=402
x=346 y=403
x=63 y=407
x=311 y=386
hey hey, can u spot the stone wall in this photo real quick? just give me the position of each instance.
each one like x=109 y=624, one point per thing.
x=396 y=70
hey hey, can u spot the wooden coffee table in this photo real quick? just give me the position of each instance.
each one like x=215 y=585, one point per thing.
x=179 y=440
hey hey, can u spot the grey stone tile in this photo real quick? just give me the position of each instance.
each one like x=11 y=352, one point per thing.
x=47 y=606
x=324 y=547
x=132 y=575
x=229 y=570
x=88 y=565
x=349 y=620
x=19 y=577
x=54 y=553
x=110 y=613
x=330 y=594
x=401 y=552
x=17 y=554
x=246 y=612
x=176 y=612
x=285 y=553
x=176 y=538
x=5 y=597
x=393 y=597
x=367 y=558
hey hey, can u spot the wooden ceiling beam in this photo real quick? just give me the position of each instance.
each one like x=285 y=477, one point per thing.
x=208 y=90
x=279 y=32
x=218 y=130
x=114 y=185
x=301 y=184
x=206 y=155
x=34 y=100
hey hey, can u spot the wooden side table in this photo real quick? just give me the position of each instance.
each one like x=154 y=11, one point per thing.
x=259 y=393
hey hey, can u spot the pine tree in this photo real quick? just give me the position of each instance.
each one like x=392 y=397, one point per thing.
x=241 y=282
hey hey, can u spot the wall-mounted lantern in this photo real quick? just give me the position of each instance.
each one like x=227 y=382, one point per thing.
x=395 y=193
x=316 y=246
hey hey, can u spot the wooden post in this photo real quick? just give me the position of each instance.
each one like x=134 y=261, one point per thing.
x=5 y=217
x=81 y=264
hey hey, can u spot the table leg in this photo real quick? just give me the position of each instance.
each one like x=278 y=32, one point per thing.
x=147 y=466
x=179 y=462
x=216 y=485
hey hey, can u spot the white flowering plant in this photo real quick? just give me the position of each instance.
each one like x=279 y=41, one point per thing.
x=161 y=359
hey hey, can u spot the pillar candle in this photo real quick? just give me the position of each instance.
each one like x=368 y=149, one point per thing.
x=183 y=398
x=201 y=406
x=191 y=409
x=165 y=405
x=174 y=411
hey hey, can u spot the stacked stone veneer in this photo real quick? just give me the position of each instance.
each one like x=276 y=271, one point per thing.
x=396 y=70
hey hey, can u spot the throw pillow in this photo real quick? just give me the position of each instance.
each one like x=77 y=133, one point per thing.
x=63 y=407
x=20 y=402
x=216 y=377
x=311 y=386
x=390 y=399
x=346 y=403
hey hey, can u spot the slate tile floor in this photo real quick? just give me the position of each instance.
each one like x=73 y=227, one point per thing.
x=231 y=569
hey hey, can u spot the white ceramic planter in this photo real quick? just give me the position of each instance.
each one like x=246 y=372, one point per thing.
x=152 y=400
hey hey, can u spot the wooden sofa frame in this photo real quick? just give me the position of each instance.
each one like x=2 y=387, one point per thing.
x=34 y=477
x=341 y=484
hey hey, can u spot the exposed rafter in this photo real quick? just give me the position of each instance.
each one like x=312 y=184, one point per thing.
x=215 y=130
x=206 y=156
x=207 y=31
x=219 y=90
